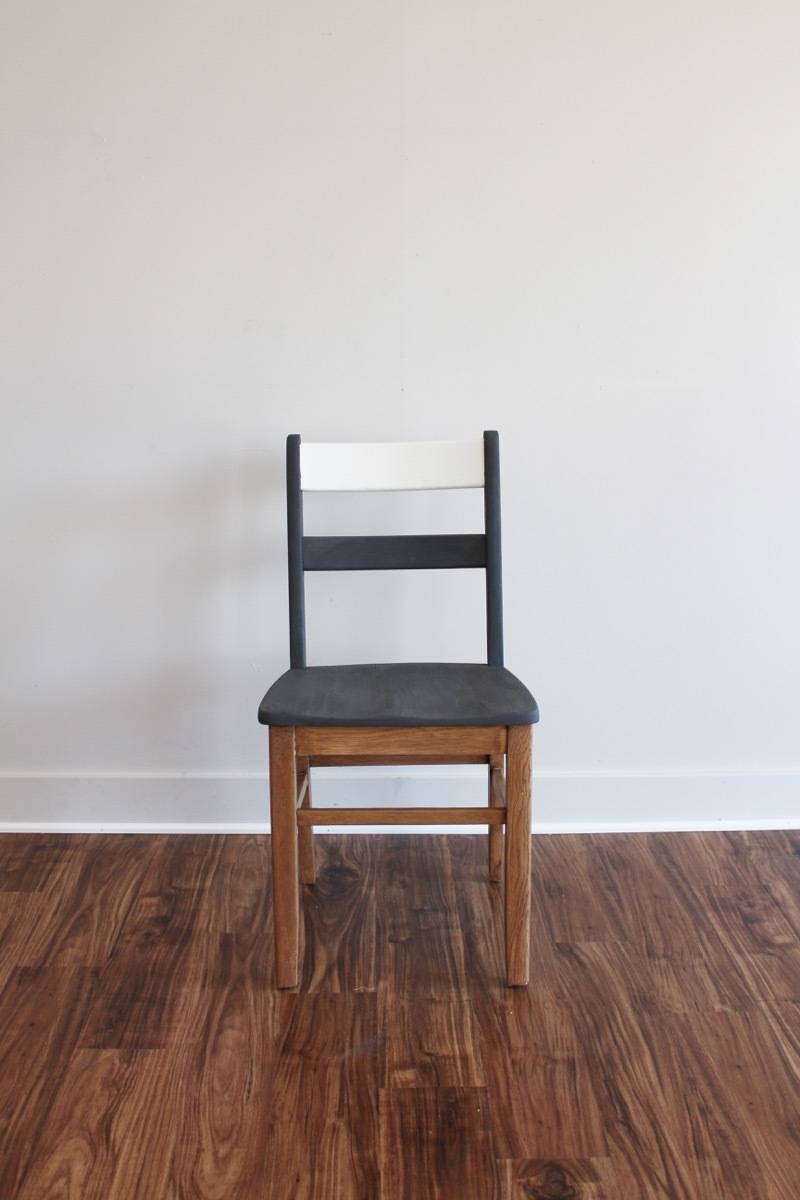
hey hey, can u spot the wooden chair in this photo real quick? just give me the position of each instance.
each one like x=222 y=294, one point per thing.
x=397 y=713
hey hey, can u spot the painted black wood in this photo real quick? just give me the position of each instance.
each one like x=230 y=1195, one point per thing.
x=294 y=526
x=403 y=694
x=410 y=552
x=494 y=562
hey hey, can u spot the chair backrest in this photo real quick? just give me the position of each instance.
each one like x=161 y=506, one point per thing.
x=394 y=466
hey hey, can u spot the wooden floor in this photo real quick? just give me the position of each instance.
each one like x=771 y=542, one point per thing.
x=145 y=1054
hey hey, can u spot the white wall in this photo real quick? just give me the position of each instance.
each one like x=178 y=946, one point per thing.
x=576 y=223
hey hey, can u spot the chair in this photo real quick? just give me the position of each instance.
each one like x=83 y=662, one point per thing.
x=397 y=713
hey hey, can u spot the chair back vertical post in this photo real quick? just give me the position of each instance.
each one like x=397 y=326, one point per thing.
x=294 y=527
x=494 y=559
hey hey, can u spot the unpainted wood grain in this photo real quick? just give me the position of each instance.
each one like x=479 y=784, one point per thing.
x=497 y=799
x=305 y=835
x=430 y=740
x=396 y=760
x=472 y=815
x=285 y=865
x=518 y=855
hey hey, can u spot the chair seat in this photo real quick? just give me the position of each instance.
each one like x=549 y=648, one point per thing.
x=409 y=694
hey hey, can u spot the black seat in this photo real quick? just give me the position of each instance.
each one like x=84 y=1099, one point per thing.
x=412 y=694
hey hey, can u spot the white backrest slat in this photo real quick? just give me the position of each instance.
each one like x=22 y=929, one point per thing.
x=390 y=466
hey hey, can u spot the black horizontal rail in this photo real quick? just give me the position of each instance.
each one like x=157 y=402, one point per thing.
x=402 y=552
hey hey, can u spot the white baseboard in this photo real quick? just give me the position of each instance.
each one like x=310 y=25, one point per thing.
x=564 y=801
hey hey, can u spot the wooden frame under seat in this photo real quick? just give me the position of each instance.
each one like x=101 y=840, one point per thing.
x=294 y=750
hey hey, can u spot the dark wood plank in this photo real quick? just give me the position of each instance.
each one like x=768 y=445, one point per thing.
x=432 y=1043
x=27 y=861
x=321 y=1139
x=79 y=1147
x=543 y=1095
x=102 y=887
x=21 y=915
x=419 y=925
x=565 y=1179
x=223 y=1060
x=479 y=907
x=625 y=1070
x=745 y=1096
x=221 y=1038
x=156 y=951
x=568 y=887
x=42 y=1012
x=436 y=1145
x=339 y=914
x=136 y=1121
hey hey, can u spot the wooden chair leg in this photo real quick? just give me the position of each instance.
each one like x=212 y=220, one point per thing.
x=285 y=884
x=308 y=867
x=495 y=831
x=518 y=855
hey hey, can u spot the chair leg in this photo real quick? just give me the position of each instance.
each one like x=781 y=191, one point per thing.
x=285 y=885
x=308 y=867
x=518 y=855
x=495 y=831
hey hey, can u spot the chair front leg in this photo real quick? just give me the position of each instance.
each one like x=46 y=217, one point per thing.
x=518 y=855
x=285 y=883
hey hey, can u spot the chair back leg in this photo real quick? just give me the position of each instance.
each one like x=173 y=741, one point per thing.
x=496 y=796
x=305 y=834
